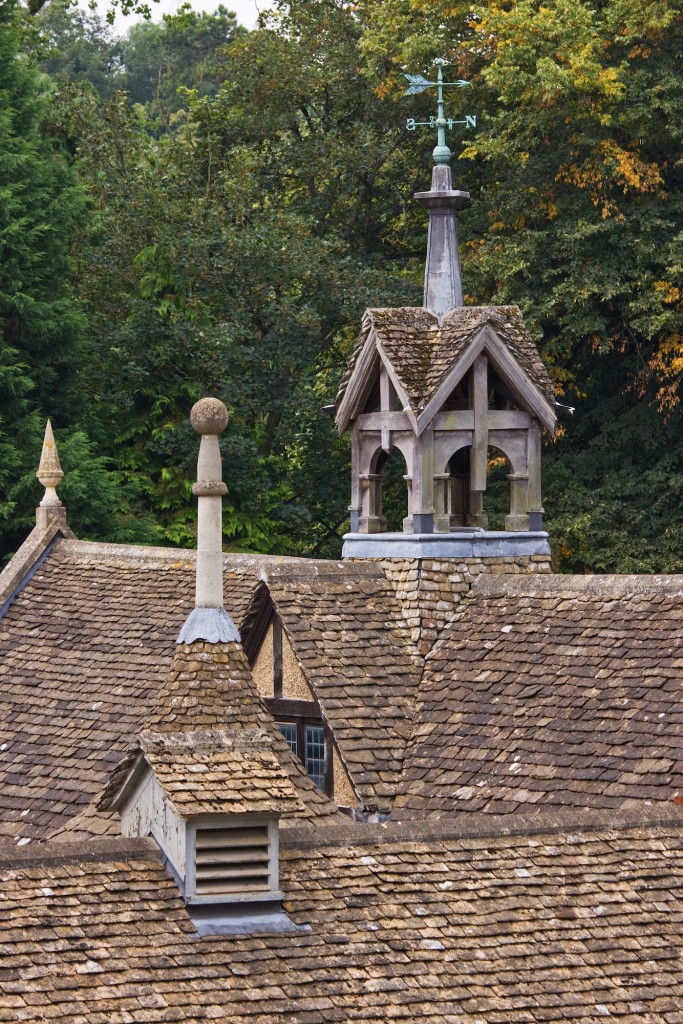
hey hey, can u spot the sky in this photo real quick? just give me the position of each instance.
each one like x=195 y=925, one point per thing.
x=246 y=10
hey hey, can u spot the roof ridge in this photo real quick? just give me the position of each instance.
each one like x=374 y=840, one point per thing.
x=26 y=560
x=483 y=825
x=558 y=583
x=56 y=852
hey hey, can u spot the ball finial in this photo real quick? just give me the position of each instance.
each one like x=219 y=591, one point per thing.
x=209 y=416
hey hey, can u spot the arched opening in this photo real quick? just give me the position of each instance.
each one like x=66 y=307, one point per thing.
x=393 y=492
x=497 y=496
x=458 y=488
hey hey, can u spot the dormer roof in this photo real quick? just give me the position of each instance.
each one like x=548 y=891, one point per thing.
x=423 y=353
x=211 y=772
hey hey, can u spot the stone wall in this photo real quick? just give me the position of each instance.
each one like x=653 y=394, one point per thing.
x=430 y=591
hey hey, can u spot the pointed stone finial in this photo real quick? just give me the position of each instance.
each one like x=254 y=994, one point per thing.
x=50 y=472
x=51 y=512
x=209 y=620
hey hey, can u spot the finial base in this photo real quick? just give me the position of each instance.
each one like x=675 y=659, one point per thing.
x=443 y=285
x=51 y=515
x=211 y=624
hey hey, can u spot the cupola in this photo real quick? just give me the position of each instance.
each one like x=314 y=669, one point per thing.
x=445 y=387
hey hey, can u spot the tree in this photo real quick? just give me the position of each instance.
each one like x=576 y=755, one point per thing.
x=43 y=344
x=180 y=53
x=73 y=45
x=231 y=253
x=576 y=216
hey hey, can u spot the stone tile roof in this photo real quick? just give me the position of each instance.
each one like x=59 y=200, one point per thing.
x=208 y=738
x=561 y=690
x=545 y=925
x=346 y=628
x=422 y=351
x=208 y=686
x=215 y=772
x=84 y=651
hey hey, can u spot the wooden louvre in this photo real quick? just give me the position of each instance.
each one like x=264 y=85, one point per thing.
x=232 y=859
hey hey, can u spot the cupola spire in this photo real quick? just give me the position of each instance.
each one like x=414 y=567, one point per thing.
x=443 y=283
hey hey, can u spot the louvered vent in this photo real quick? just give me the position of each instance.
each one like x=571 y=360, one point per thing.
x=232 y=859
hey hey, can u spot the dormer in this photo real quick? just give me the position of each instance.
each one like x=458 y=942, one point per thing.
x=443 y=391
x=291 y=700
x=212 y=802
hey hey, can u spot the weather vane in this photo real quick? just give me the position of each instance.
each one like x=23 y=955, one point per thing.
x=418 y=83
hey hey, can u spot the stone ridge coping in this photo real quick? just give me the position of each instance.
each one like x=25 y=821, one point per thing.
x=557 y=585
x=246 y=563
x=320 y=569
x=24 y=559
x=55 y=853
x=467 y=826
x=480 y=826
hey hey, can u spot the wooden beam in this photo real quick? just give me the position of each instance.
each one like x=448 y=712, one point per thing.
x=480 y=402
x=359 y=385
x=286 y=707
x=277 y=657
x=384 y=421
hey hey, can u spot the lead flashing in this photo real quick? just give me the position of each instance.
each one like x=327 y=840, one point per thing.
x=211 y=624
x=470 y=544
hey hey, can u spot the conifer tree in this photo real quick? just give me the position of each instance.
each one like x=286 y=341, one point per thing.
x=43 y=347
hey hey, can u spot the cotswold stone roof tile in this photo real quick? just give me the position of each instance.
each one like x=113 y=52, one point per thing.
x=551 y=691
x=85 y=649
x=348 y=635
x=422 y=351
x=464 y=924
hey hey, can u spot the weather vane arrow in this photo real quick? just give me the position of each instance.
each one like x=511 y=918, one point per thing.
x=418 y=84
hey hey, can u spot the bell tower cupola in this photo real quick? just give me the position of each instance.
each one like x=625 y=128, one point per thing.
x=444 y=391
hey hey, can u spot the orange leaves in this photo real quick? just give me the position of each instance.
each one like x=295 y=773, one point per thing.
x=632 y=172
x=667 y=364
x=669 y=291
x=608 y=167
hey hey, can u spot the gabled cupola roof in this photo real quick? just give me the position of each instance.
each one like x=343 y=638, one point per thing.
x=425 y=357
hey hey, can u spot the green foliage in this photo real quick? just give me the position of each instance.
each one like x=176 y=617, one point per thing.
x=44 y=349
x=242 y=197
x=164 y=60
x=74 y=45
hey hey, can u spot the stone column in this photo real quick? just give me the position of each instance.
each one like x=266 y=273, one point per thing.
x=534 y=463
x=421 y=514
x=476 y=515
x=442 y=519
x=371 y=519
x=355 y=506
x=209 y=620
x=518 y=519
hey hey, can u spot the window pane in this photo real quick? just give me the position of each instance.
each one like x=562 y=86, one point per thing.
x=315 y=754
x=288 y=730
